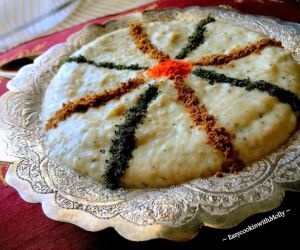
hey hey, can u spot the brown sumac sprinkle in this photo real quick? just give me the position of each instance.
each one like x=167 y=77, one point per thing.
x=93 y=101
x=237 y=53
x=218 y=137
x=143 y=43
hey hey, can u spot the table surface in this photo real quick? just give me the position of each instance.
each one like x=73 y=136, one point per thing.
x=24 y=226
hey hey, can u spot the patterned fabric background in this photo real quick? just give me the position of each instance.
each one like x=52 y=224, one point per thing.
x=23 y=20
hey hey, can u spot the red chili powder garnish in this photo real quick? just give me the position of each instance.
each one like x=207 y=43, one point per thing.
x=170 y=69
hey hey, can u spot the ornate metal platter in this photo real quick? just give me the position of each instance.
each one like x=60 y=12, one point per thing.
x=174 y=213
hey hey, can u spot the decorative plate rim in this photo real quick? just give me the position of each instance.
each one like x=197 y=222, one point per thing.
x=175 y=213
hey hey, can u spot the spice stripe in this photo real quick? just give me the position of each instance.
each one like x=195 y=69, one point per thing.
x=96 y=100
x=124 y=141
x=143 y=43
x=282 y=95
x=109 y=65
x=217 y=136
x=195 y=39
x=237 y=53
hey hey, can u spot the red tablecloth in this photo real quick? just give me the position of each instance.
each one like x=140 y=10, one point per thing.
x=24 y=226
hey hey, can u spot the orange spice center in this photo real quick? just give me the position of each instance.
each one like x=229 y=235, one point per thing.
x=170 y=69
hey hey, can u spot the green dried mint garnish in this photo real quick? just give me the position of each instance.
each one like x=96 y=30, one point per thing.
x=196 y=38
x=124 y=141
x=108 y=65
x=282 y=95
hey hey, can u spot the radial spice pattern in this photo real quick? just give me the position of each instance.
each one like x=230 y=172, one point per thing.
x=177 y=70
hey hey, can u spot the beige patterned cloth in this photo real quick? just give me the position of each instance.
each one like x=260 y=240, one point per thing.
x=23 y=20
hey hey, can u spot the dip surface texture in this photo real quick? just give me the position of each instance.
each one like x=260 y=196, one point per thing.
x=168 y=145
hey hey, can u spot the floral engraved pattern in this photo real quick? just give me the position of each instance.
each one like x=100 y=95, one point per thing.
x=258 y=188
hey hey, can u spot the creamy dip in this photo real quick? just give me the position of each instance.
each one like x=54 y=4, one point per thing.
x=168 y=149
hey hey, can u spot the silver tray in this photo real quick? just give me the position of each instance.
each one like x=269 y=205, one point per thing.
x=175 y=213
